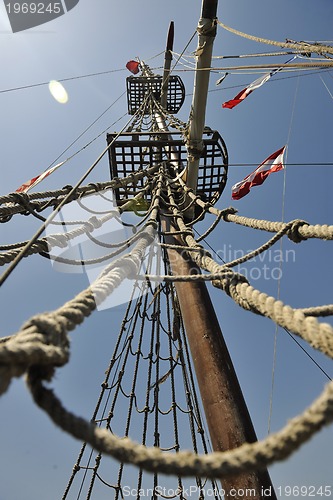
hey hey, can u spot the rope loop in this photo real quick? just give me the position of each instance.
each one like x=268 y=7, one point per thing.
x=202 y=250
x=230 y=279
x=93 y=223
x=228 y=211
x=67 y=189
x=195 y=149
x=293 y=233
x=207 y=27
x=59 y=240
x=132 y=262
x=152 y=223
x=24 y=200
x=97 y=186
x=5 y=219
x=20 y=198
x=75 y=194
x=51 y=327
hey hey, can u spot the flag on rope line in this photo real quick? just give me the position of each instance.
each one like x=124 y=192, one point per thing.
x=273 y=163
x=247 y=91
x=253 y=86
x=36 y=180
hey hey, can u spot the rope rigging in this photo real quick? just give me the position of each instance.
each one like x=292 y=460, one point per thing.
x=21 y=255
x=149 y=339
x=151 y=344
x=307 y=47
x=318 y=335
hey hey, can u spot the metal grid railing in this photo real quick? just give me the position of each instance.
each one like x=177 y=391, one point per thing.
x=139 y=86
x=135 y=151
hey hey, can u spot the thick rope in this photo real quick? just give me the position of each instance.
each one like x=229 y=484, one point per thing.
x=37 y=343
x=264 y=247
x=248 y=457
x=286 y=67
x=45 y=339
x=319 y=335
x=326 y=310
x=300 y=230
x=318 y=49
x=30 y=346
x=62 y=240
x=15 y=203
x=227 y=275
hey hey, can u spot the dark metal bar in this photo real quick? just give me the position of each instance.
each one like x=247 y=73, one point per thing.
x=167 y=65
x=209 y=9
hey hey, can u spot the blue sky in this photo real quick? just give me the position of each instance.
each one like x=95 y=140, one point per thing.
x=36 y=458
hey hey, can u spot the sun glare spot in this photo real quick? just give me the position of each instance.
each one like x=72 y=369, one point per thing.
x=58 y=92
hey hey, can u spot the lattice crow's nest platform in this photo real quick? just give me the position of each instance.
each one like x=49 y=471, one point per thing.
x=138 y=87
x=136 y=150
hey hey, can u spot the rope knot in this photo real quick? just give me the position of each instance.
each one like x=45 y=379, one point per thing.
x=228 y=211
x=202 y=251
x=207 y=27
x=52 y=329
x=20 y=197
x=154 y=224
x=228 y=279
x=237 y=278
x=93 y=223
x=132 y=262
x=59 y=240
x=293 y=232
x=67 y=188
x=97 y=186
x=23 y=199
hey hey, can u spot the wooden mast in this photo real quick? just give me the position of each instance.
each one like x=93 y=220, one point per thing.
x=226 y=412
x=206 y=34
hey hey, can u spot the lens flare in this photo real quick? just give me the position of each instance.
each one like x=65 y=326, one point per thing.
x=58 y=92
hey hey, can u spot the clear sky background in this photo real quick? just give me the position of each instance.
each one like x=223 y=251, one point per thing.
x=36 y=458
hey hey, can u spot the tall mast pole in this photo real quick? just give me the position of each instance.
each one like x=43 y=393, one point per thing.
x=226 y=412
x=206 y=35
x=227 y=416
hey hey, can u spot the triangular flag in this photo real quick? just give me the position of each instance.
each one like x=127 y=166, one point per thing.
x=247 y=91
x=253 y=86
x=36 y=180
x=273 y=163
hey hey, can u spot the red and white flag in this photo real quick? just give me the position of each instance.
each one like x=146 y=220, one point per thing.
x=253 y=86
x=247 y=91
x=273 y=163
x=133 y=67
x=36 y=180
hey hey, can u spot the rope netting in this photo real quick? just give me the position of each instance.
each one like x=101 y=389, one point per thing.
x=160 y=391
x=43 y=344
x=141 y=395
